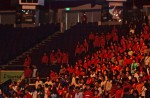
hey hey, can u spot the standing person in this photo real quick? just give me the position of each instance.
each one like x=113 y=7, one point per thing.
x=84 y=18
x=65 y=58
x=52 y=57
x=45 y=59
x=86 y=45
x=59 y=56
x=34 y=71
x=27 y=61
x=27 y=72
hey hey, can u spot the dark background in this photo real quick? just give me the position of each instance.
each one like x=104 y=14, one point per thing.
x=55 y=4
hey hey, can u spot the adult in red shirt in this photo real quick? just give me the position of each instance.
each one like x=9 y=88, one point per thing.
x=60 y=91
x=27 y=94
x=71 y=93
x=52 y=57
x=108 y=37
x=27 y=61
x=27 y=72
x=96 y=42
x=91 y=36
x=77 y=49
x=86 y=45
x=64 y=58
x=45 y=59
x=119 y=92
x=88 y=93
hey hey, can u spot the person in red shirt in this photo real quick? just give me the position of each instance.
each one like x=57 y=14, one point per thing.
x=52 y=57
x=45 y=59
x=91 y=36
x=88 y=93
x=27 y=61
x=96 y=42
x=86 y=45
x=108 y=38
x=115 y=37
x=77 y=49
x=27 y=72
x=52 y=75
x=96 y=92
x=119 y=92
x=71 y=93
x=60 y=91
x=70 y=69
x=58 y=56
x=27 y=94
x=65 y=58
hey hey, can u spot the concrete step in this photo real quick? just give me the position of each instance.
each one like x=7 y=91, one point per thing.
x=48 y=39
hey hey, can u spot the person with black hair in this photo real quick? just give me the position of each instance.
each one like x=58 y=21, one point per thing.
x=135 y=94
x=54 y=93
x=88 y=92
x=78 y=93
x=126 y=93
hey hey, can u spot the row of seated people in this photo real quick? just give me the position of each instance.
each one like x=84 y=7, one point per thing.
x=119 y=69
x=15 y=41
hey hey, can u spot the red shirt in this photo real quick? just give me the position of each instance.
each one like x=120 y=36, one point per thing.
x=45 y=59
x=96 y=97
x=71 y=95
x=27 y=72
x=108 y=37
x=52 y=57
x=119 y=93
x=77 y=51
x=71 y=70
x=60 y=91
x=65 y=58
x=91 y=36
x=87 y=94
x=27 y=96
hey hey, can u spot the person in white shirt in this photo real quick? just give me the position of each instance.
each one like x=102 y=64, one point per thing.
x=78 y=94
x=38 y=82
x=143 y=92
x=48 y=81
x=34 y=72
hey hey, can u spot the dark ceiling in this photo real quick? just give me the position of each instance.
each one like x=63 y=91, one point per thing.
x=55 y=4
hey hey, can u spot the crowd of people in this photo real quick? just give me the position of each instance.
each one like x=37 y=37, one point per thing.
x=107 y=66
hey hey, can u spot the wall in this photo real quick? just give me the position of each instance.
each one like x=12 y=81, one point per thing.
x=8 y=18
x=73 y=16
x=82 y=7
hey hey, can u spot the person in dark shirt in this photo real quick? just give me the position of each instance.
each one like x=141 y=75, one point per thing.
x=54 y=93
x=127 y=93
